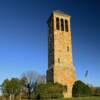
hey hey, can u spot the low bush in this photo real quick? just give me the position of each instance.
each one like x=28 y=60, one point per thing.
x=80 y=89
x=49 y=91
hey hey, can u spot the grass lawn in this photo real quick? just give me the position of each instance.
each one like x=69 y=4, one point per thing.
x=83 y=98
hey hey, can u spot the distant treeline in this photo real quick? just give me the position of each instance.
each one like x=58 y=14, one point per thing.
x=95 y=91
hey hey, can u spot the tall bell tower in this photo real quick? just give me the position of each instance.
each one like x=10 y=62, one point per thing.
x=60 y=64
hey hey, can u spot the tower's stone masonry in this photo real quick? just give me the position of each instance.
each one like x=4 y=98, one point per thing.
x=60 y=65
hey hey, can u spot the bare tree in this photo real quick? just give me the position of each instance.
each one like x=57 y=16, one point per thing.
x=28 y=81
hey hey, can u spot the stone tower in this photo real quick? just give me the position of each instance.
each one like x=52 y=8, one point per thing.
x=60 y=64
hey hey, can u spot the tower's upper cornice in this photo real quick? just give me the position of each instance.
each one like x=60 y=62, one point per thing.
x=61 y=13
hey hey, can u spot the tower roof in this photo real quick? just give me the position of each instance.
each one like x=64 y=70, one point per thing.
x=60 y=12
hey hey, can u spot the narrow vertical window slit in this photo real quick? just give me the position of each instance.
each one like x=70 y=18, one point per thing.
x=62 y=25
x=66 y=25
x=57 y=23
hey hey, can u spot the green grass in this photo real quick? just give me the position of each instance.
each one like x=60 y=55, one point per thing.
x=77 y=98
x=83 y=98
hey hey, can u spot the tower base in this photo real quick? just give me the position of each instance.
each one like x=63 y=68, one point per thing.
x=64 y=76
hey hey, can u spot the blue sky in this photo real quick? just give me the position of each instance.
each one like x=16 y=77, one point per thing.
x=24 y=31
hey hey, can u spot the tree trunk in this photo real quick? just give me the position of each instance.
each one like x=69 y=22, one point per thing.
x=10 y=97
